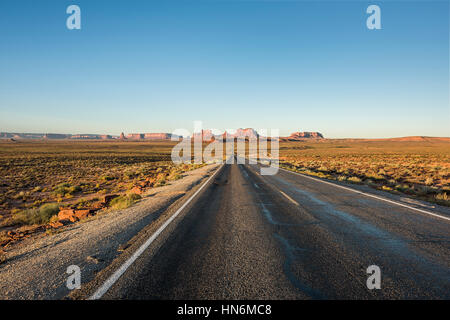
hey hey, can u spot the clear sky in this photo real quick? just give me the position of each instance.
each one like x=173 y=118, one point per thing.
x=155 y=66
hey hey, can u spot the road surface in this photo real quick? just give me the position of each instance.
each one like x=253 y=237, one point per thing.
x=248 y=236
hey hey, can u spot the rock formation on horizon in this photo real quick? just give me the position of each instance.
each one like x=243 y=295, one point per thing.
x=303 y=136
x=249 y=133
x=208 y=135
x=157 y=136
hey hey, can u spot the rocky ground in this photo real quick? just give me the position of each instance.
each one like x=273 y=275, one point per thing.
x=35 y=267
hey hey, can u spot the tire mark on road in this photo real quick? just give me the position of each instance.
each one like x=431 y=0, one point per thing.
x=289 y=253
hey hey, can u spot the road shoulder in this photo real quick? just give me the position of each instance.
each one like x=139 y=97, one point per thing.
x=37 y=268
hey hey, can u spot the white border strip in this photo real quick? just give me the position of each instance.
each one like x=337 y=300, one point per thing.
x=289 y=198
x=371 y=195
x=116 y=275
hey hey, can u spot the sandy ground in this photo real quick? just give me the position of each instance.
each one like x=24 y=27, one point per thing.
x=36 y=267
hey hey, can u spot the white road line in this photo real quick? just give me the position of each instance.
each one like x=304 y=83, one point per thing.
x=256 y=186
x=116 y=275
x=371 y=195
x=289 y=198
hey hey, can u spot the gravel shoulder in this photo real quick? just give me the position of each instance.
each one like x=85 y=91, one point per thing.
x=36 y=267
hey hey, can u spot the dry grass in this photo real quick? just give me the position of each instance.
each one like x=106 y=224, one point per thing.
x=124 y=201
x=419 y=169
x=36 y=173
x=40 y=215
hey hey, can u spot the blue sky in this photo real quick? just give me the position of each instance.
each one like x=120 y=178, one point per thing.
x=155 y=66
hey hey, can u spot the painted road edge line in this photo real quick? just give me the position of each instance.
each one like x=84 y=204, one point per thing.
x=371 y=195
x=289 y=198
x=119 y=272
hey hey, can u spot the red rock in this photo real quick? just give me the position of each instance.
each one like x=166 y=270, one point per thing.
x=205 y=135
x=137 y=190
x=305 y=135
x=135 y=136
x=67 y=214
x=240 y=134
x=158 y=136
x=82 y=214
x=56 y=225
x=97 y=206
x=248 y=133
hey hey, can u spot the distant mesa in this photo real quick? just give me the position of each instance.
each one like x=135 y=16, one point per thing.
x=10 y=135
x=240 y=134
x=53 y=136
x=206 y=135
x=56 y=136
x=151 y=136
x=246 y=133
x=296 y=136
x=135 y=136
x=59 y=136
x=158 y=136
x=90 y=136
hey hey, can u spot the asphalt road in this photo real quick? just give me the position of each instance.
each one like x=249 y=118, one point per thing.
x=248 y=236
